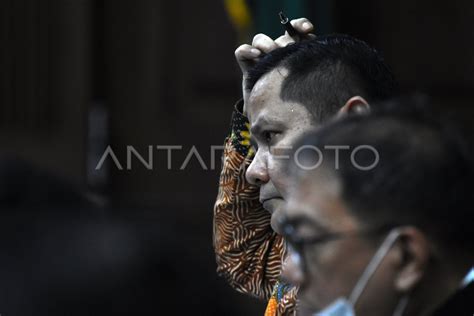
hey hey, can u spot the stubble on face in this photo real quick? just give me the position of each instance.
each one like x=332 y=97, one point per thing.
x=268 y=112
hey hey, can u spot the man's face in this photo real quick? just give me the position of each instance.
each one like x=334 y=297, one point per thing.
x=331 y=268
x=275 y=126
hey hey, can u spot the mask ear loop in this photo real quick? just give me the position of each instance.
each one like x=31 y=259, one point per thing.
x=373 y=265
x=402 y=305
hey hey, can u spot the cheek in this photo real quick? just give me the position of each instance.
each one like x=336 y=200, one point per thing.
x=280 y=152
x=380 y=293
x=278 y=161
x=333 y=270
x=277 y=167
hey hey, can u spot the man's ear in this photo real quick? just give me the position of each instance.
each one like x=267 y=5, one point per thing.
x=415 y=253
x=356 y=105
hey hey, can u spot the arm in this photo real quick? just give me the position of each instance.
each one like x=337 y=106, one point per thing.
x=248 y=251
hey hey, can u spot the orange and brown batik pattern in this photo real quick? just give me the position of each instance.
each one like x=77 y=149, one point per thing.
x=248 y=252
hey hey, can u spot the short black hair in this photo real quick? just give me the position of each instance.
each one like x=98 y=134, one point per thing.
x=326 y=71
x=424 y=174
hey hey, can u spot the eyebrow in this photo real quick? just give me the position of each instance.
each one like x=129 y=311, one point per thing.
x=257 y=127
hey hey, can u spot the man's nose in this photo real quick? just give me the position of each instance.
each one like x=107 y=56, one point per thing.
x=257 y=172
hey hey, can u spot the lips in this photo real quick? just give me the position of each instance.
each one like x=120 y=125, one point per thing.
x=270 y=203
x=264 y=200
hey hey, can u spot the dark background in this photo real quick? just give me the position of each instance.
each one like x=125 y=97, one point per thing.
x=80 y=75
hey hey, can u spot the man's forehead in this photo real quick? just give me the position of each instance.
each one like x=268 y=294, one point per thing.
x=308 y=186
x=317 y=196
x=271 y=79
x=267 y=88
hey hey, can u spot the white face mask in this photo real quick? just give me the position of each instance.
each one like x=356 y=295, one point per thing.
x=468 y=279
x=345 y=307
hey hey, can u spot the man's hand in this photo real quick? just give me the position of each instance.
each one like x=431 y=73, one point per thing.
x=247 y=55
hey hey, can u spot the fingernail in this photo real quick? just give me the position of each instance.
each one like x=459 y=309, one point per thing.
x=255 y=51
x=306 y=26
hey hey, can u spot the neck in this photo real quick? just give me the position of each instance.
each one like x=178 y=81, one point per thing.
x=437 y=287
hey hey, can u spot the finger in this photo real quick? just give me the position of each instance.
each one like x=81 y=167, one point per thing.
x=264 y=43
x=284 y=40
x=302 y=25
x=247 y=52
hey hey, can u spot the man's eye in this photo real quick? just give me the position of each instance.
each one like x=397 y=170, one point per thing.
x=268 y=136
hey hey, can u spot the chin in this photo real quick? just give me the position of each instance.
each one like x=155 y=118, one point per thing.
x=308 y=306
x=305 y=309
